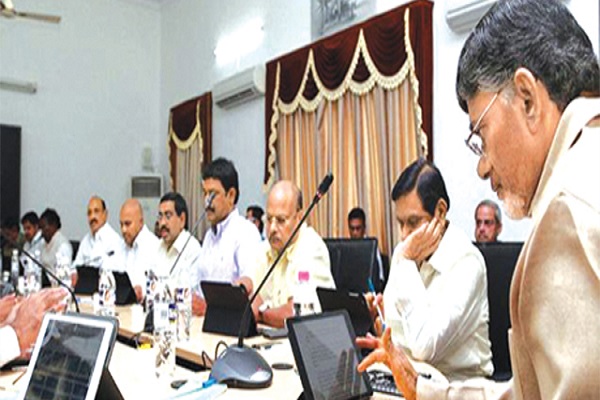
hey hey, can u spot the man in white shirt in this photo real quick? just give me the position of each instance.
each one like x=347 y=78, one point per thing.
x=57 y=246
x=230 y=249
x=33 y=235
x=137 y=250
x=101 y=241
x=21 y=318
x=436 y=296
x=307 y=252
x=173 y=225
x=357 y=228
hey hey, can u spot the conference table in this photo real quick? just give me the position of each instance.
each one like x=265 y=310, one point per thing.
x=132 y=367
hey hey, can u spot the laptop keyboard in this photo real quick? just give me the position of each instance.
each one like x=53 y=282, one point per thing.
x=382 y=381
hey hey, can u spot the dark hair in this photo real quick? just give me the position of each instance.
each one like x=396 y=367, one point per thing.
x=541 y=36
x=30 y=217
x=224 y=171
x=179 y=202
x=51 y=217
x=428 y=180
x=257 y=212
x=10 y=223
x=357 y=213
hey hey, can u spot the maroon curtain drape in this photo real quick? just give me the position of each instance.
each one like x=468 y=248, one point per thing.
x=384 y=36
x=183 y=122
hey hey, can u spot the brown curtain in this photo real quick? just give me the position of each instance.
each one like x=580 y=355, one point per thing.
x=357 y=104
x=190 y=147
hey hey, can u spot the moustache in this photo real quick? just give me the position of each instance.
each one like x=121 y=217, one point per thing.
x=93 y=221
x=163 y=228
x=211 y=209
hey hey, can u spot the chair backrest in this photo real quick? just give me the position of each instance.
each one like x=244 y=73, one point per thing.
x=352 y=262
x=500 y=259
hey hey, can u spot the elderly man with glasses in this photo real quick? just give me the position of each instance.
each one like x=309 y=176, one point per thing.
x=307 y=252
x=530 y=79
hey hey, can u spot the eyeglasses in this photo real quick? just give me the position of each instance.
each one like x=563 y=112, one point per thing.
x=279 y=220
x=167 y=215
x=474 y=141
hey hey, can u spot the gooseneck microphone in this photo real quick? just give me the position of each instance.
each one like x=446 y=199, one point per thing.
x=207 y=205
x=240 y=365
x=51 y=275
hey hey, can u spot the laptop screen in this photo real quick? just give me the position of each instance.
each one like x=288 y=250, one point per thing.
x=327 y=357
x=68 y=359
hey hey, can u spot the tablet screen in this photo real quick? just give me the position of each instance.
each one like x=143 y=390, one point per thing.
x=327 y=357
x=68 y=359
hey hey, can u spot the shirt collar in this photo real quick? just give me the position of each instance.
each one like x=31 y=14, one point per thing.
x=217 y=230
x=289 y=252
x=447 y=248
x=180 y=241
x=575 y=117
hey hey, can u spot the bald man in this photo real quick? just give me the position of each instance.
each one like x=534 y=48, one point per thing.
x=101 y=241
x=137 y=250
x=307 y=252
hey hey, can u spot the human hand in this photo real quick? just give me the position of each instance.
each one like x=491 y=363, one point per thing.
x=6 y=305
x=198 y=305
x=374 y=301
x=384 y=351
x=422 y=242
x=28 y=315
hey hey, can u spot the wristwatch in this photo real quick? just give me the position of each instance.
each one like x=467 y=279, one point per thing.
x=262 y=308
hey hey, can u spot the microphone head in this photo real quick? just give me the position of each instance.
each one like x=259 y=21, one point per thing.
x=325 y=183
x=209 y=199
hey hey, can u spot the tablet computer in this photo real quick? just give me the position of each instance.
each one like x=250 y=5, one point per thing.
x=87 y=279
x=69 y=357
x=354 y=303
x=124 y=294
x=327 y=357
x=225 y=306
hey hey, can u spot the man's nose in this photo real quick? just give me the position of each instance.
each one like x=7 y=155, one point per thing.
x=483 y=167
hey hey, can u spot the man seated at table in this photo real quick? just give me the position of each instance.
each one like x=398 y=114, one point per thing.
x=137 y=251
x=230 y=249
x=56 y=245
x=436 y=296
x=307 y=252
x=173 y=228
x=488 y=222
x=101 y=241
x=33 y=235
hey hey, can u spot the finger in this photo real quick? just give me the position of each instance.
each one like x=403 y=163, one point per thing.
x=369 y=360
x=366 y=342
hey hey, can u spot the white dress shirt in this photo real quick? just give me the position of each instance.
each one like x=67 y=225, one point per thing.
x=36 y=244
x=230 y=250
x=59 y=247
x=9 y=345
x=187 y=266
x=439 y=313
x=138 y=258
x=94 y=249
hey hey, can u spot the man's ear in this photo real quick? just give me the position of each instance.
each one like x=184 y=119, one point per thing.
x=231 y=195
x=441 y=209
x=527 y=91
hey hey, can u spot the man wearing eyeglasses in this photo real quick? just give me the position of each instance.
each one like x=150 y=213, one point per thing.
x=230 y=246
x=530 y=81
x=307 y=252
x=173 y=229
x=436 y=297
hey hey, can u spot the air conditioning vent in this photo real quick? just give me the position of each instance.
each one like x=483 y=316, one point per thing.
x=146 y=186
x=240 y=88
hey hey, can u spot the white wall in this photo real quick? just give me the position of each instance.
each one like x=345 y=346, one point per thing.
x=109 y=73
x=97 y=106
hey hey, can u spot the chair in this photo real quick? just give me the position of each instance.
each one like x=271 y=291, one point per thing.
x=75 y=246
x=500 y=259
x=352 y=262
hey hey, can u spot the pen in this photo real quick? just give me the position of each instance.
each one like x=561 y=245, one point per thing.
x=372 y=290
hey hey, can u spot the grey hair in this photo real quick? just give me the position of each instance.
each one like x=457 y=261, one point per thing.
x=541 y=36
x=494 y=206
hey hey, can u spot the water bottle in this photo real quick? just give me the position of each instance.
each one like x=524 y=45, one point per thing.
x=14 y=267
x=165 y=325
x=106 y=292
x=32 y=277
x=183 y=300
x=151 y=280
x=303 y=295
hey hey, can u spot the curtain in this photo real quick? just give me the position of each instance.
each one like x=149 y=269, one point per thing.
x=353 y=104
x=190 y=147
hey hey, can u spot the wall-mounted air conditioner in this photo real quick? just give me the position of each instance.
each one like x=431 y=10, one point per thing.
x=240 y=88
x=148 y=189
x=18 y=86
x=462 y=16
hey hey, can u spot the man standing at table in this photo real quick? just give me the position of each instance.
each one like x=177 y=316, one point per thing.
x=173 y=229
x=101 y=241
x=307 y=252
x=530 y=81
x=230 y=246
x=137 y=252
